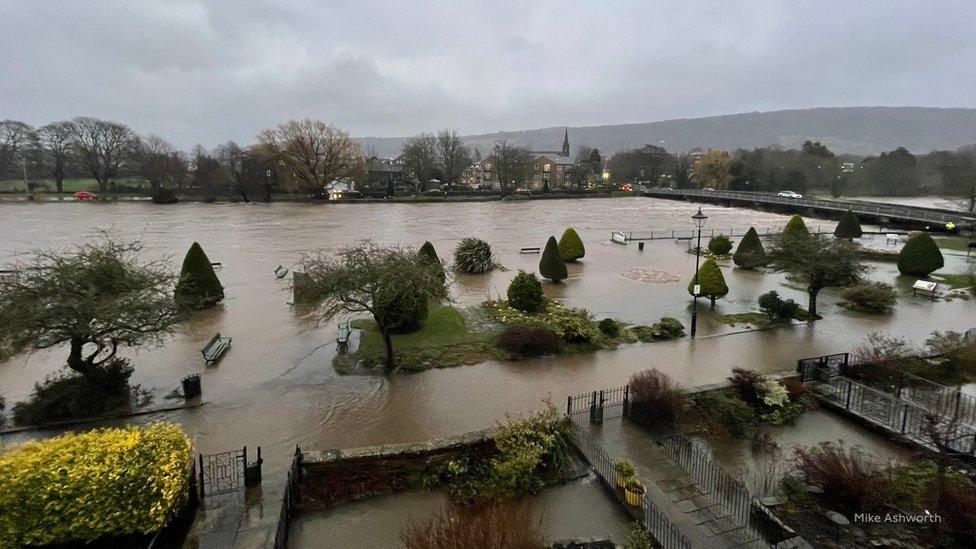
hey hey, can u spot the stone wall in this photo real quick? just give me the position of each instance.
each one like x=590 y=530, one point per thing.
x=335 y=476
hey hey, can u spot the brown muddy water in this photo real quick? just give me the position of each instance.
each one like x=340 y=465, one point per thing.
x=276 y=388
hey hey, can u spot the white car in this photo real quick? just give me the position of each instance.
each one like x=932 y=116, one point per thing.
x=789 y=194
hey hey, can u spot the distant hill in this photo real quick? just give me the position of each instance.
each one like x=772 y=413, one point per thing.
x=852 y=130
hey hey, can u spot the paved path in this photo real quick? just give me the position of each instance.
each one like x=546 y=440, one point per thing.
x=702 y=519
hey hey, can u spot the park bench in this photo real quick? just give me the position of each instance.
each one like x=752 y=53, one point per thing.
x=280 y=271
x=216 y=347
x=342 y=338
x=924 y=286
x=891 y=238
x=528 y=250
x=618 y=237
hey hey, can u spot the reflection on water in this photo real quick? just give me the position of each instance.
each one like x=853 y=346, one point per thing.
x=577 y=509
x=276 y=386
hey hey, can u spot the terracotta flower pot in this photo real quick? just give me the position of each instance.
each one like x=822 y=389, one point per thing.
x=635 y=498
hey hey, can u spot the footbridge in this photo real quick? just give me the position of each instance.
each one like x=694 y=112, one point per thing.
x=931 y=218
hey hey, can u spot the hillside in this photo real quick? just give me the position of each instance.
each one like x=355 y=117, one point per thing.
x=854 y=130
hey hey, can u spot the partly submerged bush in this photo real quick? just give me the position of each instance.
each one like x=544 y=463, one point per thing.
x=495 y=524
x=722 y=408
x=82 y=487
x=711 y=280
x=750 y=254
x=531 y=451
x=525 y=293
x=849 y=226
x=526 y=340
x=872 y=297
x=571 y=246
x=551 y=265
x=573 y=325
x=720 y=245
x=655 y=400
x=429 y=254
x=198 y=286
x=796 y=228
x=609 y=327
x=850 y=478
x=776 y=309
x=68 y=395
x=920 y=256
x=474 y=256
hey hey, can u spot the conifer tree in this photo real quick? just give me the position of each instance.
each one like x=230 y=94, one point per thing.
x=712 y=281
x=551 y=265
x=571 y=246
x=198 y=286
x=750 y=254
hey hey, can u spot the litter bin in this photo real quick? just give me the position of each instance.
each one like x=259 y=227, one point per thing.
x=191 y=386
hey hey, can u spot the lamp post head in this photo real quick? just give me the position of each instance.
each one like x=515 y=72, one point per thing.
x=699 y=218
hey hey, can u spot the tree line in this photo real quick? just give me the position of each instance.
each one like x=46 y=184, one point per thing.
x=812 y=167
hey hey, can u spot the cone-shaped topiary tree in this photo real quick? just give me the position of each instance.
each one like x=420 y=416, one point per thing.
x=525 y=293
x=198 y=286
x=795 y=227
x=720 y=244
x=920 y=256
x=849 y=226
x=429 y=254
x=571 y=246
x=552 y=265
x=712 y=281
x=750 y=254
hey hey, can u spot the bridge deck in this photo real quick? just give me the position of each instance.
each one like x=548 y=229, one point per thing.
x=891 y=211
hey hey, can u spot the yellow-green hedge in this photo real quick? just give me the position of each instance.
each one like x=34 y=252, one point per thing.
x=89 y=485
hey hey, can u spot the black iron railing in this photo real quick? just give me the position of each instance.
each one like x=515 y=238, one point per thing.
x=652 y=518
x=288 y=500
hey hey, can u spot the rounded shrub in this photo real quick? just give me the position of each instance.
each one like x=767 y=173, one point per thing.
x=920 y=256
x=720 y=245
x=726 y=410
x=750 y=254
x=849 y=226
x=527 y=340
x=198 y=286
x=712 y=281
x=98 y=484
x=571 y=246
x=668 y=328
x=872 y=297
x=551 y=265
x=609 y=327
x=775 y=308
x=69 y=396
x=796 y=228
x=525 y=293
x=474 y=256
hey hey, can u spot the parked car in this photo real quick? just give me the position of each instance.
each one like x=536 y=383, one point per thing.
x=789 y=194
x=84 y=195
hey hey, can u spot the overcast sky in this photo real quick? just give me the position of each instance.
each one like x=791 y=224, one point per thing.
x=202 y=71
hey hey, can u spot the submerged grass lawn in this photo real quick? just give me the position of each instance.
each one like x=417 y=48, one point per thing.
x=446 y=339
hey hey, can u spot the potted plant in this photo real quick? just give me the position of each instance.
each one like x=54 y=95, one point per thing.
x=635 y=492
x=625 y=471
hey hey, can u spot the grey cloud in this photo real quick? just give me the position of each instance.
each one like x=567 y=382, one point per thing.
x=207 y=71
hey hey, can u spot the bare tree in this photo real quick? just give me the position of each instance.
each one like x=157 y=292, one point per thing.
x=16 y=138
x=56 y=140
x=454 y=157
x=420 y=158
x=314 y=153
x=512 y=165
x=156 y=160
x=209 y=175
x=239 y=164
x=101 y=146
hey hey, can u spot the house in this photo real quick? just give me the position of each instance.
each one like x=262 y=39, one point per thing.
x=548 y=170
x=384 y=176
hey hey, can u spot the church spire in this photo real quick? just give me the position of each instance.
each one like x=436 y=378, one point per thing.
x=566 y=143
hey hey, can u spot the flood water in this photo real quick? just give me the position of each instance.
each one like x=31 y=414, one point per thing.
x=276 y=388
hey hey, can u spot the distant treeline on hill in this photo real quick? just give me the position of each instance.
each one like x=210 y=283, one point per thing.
x=305 y=156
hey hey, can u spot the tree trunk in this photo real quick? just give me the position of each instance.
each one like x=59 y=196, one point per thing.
x=388 y=341
x=77 y=361
x=267 y=193
x=812 y=302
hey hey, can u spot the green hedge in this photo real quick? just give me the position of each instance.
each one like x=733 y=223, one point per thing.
x=525 y=293
x=720 y=245
x=92 y=485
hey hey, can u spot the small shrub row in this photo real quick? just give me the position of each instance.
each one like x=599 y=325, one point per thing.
x=872 y=297
x=528 y=340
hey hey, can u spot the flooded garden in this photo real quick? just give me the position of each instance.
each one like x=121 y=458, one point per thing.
x=279 y=385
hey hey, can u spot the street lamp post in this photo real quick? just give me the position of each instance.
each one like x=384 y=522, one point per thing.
x=699 y=219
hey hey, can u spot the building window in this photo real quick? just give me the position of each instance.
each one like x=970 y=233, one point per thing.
x=548 y=168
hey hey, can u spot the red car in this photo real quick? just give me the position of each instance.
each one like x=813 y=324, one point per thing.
x=84 y=195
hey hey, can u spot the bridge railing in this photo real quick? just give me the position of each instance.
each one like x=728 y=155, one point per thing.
x=903 y=212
